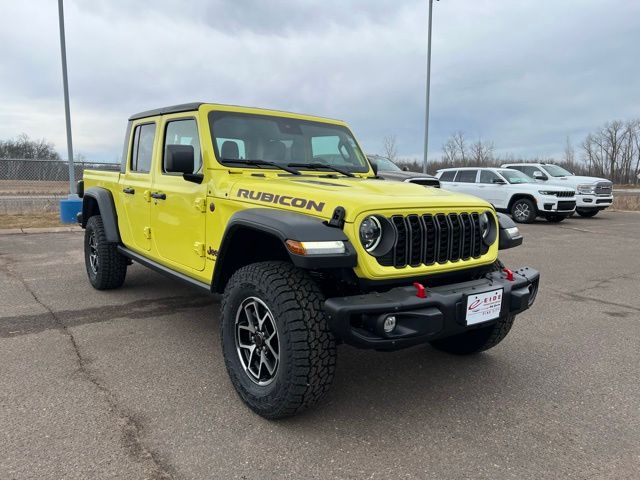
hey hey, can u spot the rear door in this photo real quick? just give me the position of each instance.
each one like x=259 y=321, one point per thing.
x=466 y=182
x=135 y=184
x=178 y=205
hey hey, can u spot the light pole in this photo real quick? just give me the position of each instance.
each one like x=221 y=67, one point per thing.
x=67 y=113
x=426 y=113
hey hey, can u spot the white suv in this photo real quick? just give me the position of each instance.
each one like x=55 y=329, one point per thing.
x=511 y=191
x=593 y=194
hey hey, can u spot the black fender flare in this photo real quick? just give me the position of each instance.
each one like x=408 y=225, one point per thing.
x=506 y=239
x=284 y=226
x=107 y=210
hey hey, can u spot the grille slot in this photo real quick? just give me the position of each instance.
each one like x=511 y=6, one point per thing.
x=429 y=239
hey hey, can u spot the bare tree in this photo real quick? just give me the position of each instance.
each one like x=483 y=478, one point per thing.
x=482 y=152
x=389 y=147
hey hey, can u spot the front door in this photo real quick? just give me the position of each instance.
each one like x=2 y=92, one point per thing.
x=177 y=205
x=135 y=186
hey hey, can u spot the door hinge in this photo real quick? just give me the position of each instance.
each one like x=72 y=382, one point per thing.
x=201 y=204
x=147 y=232
x=147 y=196
x=198 y=247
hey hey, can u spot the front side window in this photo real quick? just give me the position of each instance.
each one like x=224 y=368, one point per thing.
x=466 y=176
x=183 y=132
x=487 y=176
x=240 y=136
x=142 y=149
x=530 y=170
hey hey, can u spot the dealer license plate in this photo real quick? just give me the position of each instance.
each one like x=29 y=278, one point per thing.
x=482 y=307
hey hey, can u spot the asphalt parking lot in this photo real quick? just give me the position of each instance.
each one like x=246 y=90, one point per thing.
x=131 y=383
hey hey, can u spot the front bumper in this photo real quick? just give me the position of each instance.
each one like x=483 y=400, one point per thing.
x=358 y=320
x=594 y=201
x=552 y=204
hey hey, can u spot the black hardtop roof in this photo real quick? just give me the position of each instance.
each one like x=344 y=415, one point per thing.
x=183 y=107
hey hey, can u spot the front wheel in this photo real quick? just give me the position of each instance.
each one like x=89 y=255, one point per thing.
x=476 y=341
x=587 y=213
x=523 y=211
x=106 y=267
x=277 y=346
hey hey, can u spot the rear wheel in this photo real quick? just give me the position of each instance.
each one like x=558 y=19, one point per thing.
x=106 y=267
x=587 y=213
x=523 y=211
x=475 y=341
x=279 y=352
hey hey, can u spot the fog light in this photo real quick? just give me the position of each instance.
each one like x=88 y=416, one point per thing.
x=389 y=324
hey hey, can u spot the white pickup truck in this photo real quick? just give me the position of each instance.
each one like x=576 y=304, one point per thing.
x=511 y=191
x=593 y=193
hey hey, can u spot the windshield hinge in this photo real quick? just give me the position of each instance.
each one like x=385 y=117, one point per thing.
x=200 y=204
x=337 y=218
x=198 y=247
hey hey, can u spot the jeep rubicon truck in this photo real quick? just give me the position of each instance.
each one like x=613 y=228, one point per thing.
x=283 y=215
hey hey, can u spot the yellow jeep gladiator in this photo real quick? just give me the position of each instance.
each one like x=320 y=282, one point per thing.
x=285 y=217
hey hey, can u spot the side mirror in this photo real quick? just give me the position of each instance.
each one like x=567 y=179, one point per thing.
x=405 y=169
x=540 y=176
x=374 y=167
x=498 y=181
x=179 y=159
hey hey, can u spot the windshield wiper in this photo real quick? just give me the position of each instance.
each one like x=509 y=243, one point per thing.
x=319 y=166
x=258 y=163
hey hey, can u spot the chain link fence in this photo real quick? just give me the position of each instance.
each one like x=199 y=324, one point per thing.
x=33 y=186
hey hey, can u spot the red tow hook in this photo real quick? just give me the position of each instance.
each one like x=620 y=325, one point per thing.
x=421 y=292
x=509 y=274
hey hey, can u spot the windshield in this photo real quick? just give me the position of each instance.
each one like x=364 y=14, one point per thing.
x=386 y=165
x=556 y=171
x=515 y=177
x=282 y=140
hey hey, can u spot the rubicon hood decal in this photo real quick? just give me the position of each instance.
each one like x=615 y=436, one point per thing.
x=286 y=200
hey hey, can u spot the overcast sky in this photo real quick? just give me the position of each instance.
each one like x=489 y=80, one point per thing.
x=523 y=73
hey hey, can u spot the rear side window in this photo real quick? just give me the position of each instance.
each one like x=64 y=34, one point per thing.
x=447 y=176
x=183 y=132
x=466 y=176
x=142 y=150
x=487 y=176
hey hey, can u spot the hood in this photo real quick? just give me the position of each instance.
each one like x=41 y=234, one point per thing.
x=574 y=180
x=402 y=176
x=534 y=187
x=320 y=195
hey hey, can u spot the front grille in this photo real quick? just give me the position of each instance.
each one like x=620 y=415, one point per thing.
x=429 y=239
x=566 y=205
x=604 y=188
x=568 y=194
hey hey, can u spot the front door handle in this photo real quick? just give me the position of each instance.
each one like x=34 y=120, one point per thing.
x=159 y=195
x=129 y=190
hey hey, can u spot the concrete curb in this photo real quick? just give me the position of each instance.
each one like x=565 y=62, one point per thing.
x=17 y=231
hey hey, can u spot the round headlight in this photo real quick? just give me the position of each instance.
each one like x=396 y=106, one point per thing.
x=370 y=233
x=484 y=225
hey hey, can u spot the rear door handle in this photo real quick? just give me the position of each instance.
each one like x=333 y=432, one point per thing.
x=159 y=195
x=129 y=190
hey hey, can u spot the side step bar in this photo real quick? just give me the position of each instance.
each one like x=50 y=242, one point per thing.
x=162 y=269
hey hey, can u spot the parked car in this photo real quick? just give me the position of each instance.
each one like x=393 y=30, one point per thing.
x=511 y=191
x=283 y=215
x=593 y=194
x=388 y=170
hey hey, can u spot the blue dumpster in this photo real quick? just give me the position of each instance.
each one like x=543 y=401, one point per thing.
x=69 y=209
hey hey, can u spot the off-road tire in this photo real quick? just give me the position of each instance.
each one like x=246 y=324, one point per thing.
x=529 y=205
x=112 y=266
x=307 y=348
x=587 y=213
x=477 y=340
x=554 y=218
